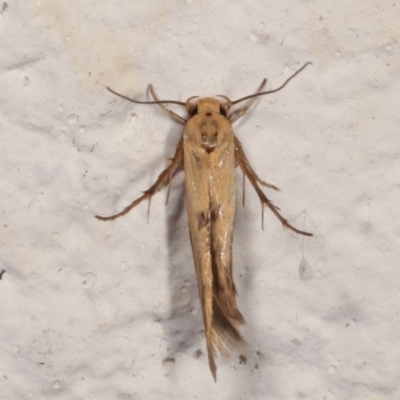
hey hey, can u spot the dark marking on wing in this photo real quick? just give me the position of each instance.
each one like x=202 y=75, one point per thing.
x=215 y=213
x=197 y=159
x=203 y=220
x=209 y=143
x=215 y=124
x=209 y=148
x=224 y=325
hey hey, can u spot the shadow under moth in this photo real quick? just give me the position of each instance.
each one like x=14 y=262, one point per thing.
x=209 y=152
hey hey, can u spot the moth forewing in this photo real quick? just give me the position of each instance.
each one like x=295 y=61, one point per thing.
x=209 y=163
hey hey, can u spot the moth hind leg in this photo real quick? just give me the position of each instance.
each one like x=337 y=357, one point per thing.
x=163 y=180
x=243 y=162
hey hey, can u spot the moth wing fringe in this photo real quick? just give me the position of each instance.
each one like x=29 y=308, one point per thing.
x=225 y=333
x=224 y=337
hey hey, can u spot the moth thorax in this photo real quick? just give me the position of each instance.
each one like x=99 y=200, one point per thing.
x=209 y=130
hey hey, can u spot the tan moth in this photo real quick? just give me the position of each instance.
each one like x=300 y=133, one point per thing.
x=209 y=152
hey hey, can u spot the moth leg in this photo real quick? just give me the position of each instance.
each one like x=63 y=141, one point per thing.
x=173 y=115
x=162 y=180
x=240 y=156
x=239 y=113
x=253 y=178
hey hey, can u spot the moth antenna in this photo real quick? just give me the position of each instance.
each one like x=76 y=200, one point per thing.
x=146 y=102
x=273 y=90
x=224 y=97
x=190 y=99
x=173 y=115
x=228 y=103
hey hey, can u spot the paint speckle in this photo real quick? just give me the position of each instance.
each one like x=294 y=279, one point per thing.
x=26 y=81
x=73 y=119
x=253 y=38
x=193 y=311
x=56 y=385
x=332 y=370
x=89 y=280
x=168 y=360
x=305 y=270
x=197 y=354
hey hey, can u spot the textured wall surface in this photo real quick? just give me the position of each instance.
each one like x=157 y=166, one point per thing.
x=109 y=310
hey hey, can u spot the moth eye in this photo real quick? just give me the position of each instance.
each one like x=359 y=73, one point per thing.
x=215 y=133
x=193 y=111
x=222 y=110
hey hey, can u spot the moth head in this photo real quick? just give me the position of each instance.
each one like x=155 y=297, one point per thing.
x=207 y=105
x=206 y=125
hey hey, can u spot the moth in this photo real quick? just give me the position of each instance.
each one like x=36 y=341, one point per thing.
x=209 y=152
